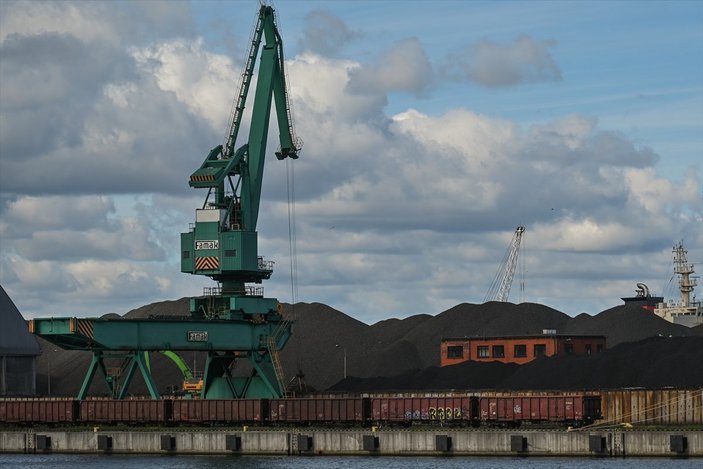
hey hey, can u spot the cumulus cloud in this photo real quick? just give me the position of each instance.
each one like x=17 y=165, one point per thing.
x=201 y=80
x=432 y=201
x=20 y=215
x=103 y=22
x=91 y=118
x=85 y=252
x=404 y=67
x=501 y=65
x=325 y=33
x=75 y=228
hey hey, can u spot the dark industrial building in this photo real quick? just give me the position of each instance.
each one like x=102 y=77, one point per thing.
x=18 y=351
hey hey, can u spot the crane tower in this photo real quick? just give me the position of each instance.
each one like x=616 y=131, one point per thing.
x=503 y=280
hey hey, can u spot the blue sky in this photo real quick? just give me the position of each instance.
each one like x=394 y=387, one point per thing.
x=431 y=129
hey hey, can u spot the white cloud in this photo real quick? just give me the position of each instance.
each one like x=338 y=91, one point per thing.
x=110 y=22
x=432 y=201
x=86 y=21
x=106 y=127
x=72 y=228
x=403 y=67
x=203 y=81
x=325 y=33
x=26 y=215
x=499 y=65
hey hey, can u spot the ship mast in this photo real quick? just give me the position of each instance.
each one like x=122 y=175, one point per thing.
x=684 y=270
x=688 y=311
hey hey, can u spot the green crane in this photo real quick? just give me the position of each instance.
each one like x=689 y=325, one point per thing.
x=234 y=321
x=223 y=242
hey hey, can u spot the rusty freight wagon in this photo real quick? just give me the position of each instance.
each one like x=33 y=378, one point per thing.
x=214 y=411
x=136 y=411
x=410 y=410
x=572 y=409
x=27 y=411
x=353 y=410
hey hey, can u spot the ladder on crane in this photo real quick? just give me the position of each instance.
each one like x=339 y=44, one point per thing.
x=273 y=350
x=240 y=100
x=503 y=280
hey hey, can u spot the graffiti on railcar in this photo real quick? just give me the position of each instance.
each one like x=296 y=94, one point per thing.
x=444 y=413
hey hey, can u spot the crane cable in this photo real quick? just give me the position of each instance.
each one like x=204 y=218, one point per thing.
x=292 y=249
x=521 y=272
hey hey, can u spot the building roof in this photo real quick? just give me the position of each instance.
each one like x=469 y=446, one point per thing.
x=532 y=336
x=15 y=338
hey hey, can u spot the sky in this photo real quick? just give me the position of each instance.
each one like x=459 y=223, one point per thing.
x=431 y=130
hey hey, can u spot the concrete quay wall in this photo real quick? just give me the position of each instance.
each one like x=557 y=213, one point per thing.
x=358 y=442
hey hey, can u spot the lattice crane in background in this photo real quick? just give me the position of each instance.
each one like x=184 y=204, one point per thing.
x=503 y=280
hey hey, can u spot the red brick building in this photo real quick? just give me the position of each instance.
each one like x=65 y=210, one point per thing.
x=517 y=349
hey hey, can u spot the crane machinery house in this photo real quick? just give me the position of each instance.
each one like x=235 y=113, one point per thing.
x=518 y=349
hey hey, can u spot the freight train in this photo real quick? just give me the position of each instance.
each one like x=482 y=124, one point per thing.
x=509 y=411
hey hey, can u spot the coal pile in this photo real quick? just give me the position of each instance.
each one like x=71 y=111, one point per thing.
x=396 y=346
x=407 y=348
x=464 y=376
x=653 y=363
x=624 y=323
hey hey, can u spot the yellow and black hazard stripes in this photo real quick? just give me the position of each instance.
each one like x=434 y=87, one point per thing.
x=202 y=178
x=85 y=327
x=207 y=263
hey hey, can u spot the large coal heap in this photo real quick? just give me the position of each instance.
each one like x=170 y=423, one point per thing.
x=654 y=363
x=407 y=350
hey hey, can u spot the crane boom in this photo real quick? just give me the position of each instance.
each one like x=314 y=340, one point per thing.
x=503 y=280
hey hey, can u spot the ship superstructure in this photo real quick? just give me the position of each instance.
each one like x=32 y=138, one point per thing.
x=687 y=311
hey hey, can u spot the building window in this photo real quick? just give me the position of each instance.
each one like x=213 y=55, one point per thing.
x=482 y=351
x=540 y=350
x=520 y=350
x=498 y=351
x=588 y=349
x=455 y=351
x=599 y=348
x=569 y=348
